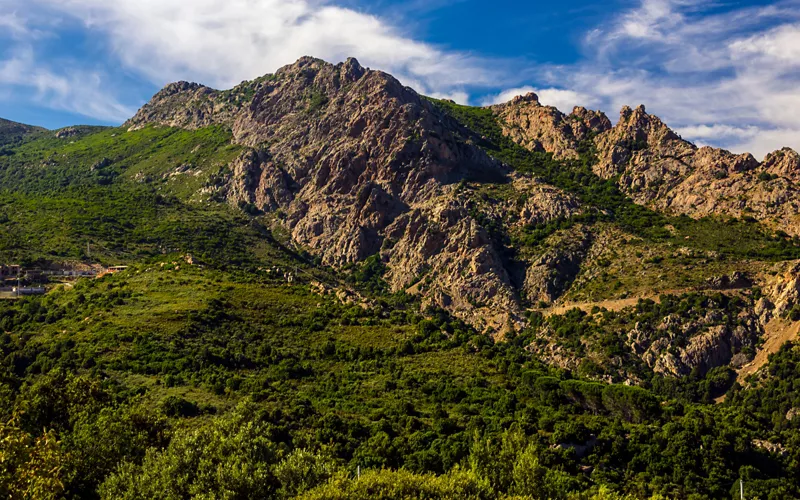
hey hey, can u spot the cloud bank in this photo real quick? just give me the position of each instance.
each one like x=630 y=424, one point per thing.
x=223 y=43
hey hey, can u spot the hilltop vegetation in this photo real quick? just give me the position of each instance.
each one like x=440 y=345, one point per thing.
x=217 y=374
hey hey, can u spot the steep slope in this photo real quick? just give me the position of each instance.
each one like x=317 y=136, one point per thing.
x=545 y=128
x=657 y=168
x=357 y=164
x=453 y=199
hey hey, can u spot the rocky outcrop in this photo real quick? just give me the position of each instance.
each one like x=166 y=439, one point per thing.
x=783 y=291
x=256 y=179
x=735 y=281
x=550 y=274
x=357 y=164
x=545 y=128
x=657 y=168
x=708 y=343
x=440 y=251
x=539 y=203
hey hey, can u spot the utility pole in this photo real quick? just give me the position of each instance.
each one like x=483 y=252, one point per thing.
x=741 y=489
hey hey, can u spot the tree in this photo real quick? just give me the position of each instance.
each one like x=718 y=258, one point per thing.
x=29 y=468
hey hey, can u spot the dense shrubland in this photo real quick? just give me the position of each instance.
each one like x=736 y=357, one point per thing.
x=191 y=381
x=220 y=380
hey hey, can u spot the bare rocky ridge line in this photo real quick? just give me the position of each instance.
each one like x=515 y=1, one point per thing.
x=357 y=164
x=657 y=168
x=354 y=164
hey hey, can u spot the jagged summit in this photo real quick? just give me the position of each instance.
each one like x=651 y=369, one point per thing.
x=361 y=165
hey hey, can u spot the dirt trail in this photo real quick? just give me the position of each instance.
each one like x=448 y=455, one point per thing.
x=619 y=304
x=777 y=332
x=611 y=305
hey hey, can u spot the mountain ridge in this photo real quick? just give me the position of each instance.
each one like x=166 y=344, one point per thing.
x=321 y=273
x=359 y=164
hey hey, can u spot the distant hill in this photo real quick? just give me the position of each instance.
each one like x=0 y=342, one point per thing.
x=11 y=132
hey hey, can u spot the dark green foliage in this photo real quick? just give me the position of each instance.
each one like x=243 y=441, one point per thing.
x=223 y=380
x=335 y=387
x=368 y=275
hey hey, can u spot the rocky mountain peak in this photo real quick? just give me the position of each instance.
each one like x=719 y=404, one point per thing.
x=545 y=128
x=351 y=70
x=784 y=163
x=359 y=165
x=637 y=125
x=586 y=122
x=529 y=98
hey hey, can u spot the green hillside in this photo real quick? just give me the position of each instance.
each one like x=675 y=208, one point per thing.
x=217 y=376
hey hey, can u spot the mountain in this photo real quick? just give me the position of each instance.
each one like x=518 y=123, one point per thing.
x=324 y=272
x=658 y=169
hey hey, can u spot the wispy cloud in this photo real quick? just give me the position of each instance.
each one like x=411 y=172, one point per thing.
x=73 y=90
x=223 y=43
x=729 y=78
x=563 y=99
x=720 y=75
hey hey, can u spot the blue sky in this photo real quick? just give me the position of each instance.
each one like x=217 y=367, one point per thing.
x=724 y=73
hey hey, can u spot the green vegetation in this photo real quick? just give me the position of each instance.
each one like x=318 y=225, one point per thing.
x=599 y=340
x=126 y=195
x=219 y=379
x=181 y=379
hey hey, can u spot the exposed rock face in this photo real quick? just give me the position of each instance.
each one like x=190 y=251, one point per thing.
x=545 y=128
x=542 y=203
x=442 y=252
x=256 y=179
x=357 y=163
x=784 y=291
x=709 y=345
x=548 y=277
x=659 y=169
x=734 y=281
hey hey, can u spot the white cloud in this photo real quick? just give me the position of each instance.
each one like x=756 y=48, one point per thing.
x=725 y=75
x=13 y=25
x=781 y=45
x=74 y=90
x=729 y=78
x=223 y=43
x=506 y=95
x=768 y=140
x=717 y=132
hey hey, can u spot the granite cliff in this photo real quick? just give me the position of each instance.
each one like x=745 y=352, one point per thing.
x=354 y=164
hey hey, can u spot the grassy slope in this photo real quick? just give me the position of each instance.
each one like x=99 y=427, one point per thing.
x=118 y=191
x=376 y=387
